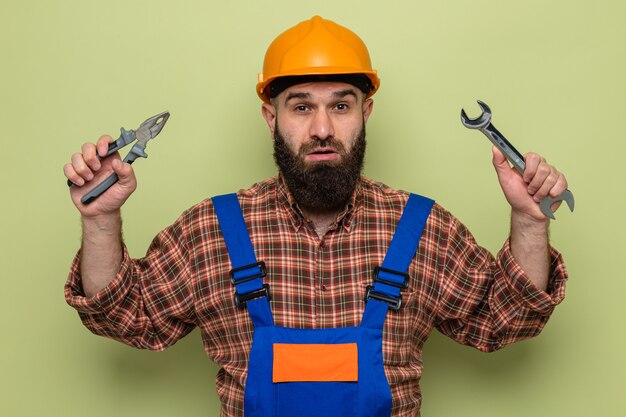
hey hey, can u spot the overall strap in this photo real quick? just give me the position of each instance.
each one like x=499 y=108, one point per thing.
x=247 y=274
x=391 y=276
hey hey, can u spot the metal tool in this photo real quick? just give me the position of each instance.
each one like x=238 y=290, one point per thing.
x=148 y=130
x=483 y=123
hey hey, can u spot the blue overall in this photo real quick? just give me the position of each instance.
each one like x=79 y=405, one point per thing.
x=295 y=372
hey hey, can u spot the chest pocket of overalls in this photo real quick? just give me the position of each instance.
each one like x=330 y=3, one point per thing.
x=315 y=379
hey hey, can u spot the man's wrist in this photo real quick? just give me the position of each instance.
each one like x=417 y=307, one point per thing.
x=529 y=223
x=102 y=226
x=103 y=221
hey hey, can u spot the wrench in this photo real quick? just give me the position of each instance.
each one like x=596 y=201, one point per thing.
x=483 y=123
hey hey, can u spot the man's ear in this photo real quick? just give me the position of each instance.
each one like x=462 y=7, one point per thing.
x=368 y=106
x=269 y=114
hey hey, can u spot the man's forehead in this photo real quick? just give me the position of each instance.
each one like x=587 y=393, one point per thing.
x=319 y=89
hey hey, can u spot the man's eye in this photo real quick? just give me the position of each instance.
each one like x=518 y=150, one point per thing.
x=301 y=108
x=342 y=106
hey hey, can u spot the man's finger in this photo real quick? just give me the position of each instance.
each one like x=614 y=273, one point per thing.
x=542 y=174
x=89 y=155
x=124 y=172
x=532 y=162
x=80 y=167
x=559 y=187
x=103 y=145
x=548 y=184
x=71 y=175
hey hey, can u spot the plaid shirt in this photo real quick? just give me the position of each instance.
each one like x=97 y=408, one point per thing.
x=455 y=286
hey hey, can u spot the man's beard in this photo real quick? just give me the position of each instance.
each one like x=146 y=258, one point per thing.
x=322 y=186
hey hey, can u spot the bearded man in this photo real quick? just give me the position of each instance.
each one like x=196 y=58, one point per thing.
x=353 y=274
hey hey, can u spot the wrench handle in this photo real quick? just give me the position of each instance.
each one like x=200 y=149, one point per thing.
x=509 y=151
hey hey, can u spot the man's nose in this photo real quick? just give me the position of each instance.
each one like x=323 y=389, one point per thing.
x=321 y=126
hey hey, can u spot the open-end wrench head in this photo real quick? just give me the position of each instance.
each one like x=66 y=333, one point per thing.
x=481 y=121
x=546 y=204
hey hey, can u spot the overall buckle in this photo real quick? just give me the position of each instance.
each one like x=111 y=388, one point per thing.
x=394 y=303
x=240 y=299
x=261 y=274
x=405 y=282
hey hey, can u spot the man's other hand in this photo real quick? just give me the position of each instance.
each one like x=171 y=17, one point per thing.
x=524 y=193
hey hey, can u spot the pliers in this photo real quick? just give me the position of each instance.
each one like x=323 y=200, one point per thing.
x=146 y=131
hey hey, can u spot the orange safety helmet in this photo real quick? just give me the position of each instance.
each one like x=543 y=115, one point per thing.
x=316 y=47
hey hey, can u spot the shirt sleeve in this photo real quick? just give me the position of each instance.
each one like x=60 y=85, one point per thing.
x=488 y=302
x=149 y=304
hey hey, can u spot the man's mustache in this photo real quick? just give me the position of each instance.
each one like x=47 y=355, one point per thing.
x=327 y=144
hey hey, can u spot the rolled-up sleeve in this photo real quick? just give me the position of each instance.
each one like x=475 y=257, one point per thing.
x=149 y=304
x=529 y=295
x=107 y=298
x=488 y=302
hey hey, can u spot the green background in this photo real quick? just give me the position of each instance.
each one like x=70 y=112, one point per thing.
x=553 y=73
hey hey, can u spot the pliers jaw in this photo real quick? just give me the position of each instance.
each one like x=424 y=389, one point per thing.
x=151 y=127
x=146 y=131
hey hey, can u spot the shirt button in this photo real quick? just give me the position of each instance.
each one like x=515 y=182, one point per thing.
x=323 y=287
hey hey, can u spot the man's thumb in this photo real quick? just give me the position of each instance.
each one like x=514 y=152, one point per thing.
x=499 y=161
x=124 y=172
